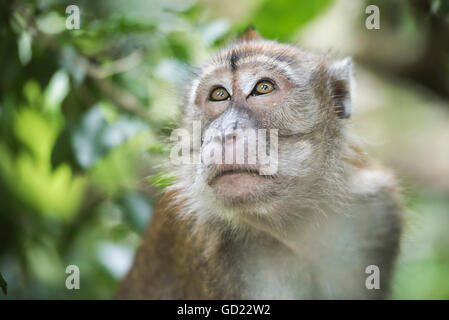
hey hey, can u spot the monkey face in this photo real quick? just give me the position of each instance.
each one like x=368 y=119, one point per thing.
x=267 y=117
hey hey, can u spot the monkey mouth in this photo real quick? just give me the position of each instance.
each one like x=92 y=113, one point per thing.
x=232 y=169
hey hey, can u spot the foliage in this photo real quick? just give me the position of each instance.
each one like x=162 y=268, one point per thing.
x=282 y=11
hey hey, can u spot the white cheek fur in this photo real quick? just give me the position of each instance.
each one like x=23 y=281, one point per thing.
x=296 y=163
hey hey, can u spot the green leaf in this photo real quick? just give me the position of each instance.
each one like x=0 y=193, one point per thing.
x=118 y=169
x=56 y=91
x=51 y=23
x=31 y=126
x=280 y=19
x=3 y=285
x=138 y=209
x=33 y=94
x=54 y=193
x=440 y=7
x=100 y=131
x=24 y=48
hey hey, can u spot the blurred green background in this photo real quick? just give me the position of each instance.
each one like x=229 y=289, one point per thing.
x=85 y=115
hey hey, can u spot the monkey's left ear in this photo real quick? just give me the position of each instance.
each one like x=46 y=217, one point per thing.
x=340 y=86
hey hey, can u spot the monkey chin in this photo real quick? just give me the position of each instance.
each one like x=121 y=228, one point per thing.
x=235 y=188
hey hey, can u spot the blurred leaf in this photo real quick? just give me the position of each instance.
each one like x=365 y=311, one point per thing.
x=45 y=263
x=440 y=7
x=118 y=24
x=75 y=64
x=86 y=139
x=109 y=111
x=3 y=284
x=215 y=30
x=24 y=47
x=51 y=23
x=280 y=19
x=56 y=91
x=192 y=13
x=30 y=126
x=99 y=131
x=117 y=170
x=138 y=209
x=53 y=193
x=33 y=93
x=117 y=258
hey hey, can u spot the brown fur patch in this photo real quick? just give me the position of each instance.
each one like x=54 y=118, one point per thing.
x=358 y=158
x=174 y=262
x=249 y=34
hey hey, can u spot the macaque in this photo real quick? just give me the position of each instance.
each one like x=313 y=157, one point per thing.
x=307 y=230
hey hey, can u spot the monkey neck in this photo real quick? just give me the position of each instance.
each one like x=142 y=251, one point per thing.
x=306 y=214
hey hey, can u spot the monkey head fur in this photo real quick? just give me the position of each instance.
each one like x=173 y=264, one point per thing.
x=307 y=98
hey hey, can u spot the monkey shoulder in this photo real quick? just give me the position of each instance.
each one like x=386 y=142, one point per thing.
x=374 y=188
x=376 y=215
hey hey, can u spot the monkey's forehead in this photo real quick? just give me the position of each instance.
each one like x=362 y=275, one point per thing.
x=263 y=51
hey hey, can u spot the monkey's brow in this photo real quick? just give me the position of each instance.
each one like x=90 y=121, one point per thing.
x=281 y=62
x=233 y=58
x=236 y=58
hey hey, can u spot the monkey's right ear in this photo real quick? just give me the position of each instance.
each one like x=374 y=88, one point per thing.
x=341 y=83
x=249 y=34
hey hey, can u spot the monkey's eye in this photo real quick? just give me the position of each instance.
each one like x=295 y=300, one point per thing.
x=219 y=94
x=263 y=87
